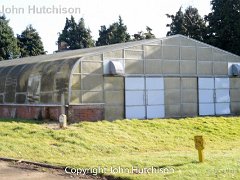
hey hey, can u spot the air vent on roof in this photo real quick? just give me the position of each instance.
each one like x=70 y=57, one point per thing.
x=116 y=68
x=236 y=70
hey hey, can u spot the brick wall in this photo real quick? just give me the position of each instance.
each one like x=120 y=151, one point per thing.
x=30 y=112
x=74 y=113
x=85 y=113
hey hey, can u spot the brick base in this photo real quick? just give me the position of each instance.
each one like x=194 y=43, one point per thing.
x=85 y=113
x=74 y=113
x=30 y=112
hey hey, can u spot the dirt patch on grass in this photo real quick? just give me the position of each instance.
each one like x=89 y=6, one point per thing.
x=25 y=171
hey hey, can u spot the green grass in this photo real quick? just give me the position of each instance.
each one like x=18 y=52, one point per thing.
x=131 y=143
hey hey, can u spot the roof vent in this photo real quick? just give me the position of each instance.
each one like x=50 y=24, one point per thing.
x=116 y=68
x=235 y=69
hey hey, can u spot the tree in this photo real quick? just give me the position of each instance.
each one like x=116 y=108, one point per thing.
x=8 y=43
x=189 y=23
x=104 y=36
x=194 y=24
x=141 y=35
x=149 y=34
x=76 y=36
x=177 y=25
x=116 y=33
x=30 y=43
x=224 y=25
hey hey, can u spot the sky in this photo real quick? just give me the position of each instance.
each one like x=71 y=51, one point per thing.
x=136 y=15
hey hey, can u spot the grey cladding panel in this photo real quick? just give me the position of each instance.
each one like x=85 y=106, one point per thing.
x=188 y=67
x=134 y=66
x=153 y=52
x=188 y=53
x=219 y=55
x=205 y=68
x=171 y=41
x=172 y=96
x=92 y=67
x=189 y=83
x=171 y=52
x=170 y=67
x=172 y=83
x=189 y=109
x=235 y=83
x=92 y=82
x=220 y=68
x=113 y=83
x=131 y=54
x=173 y=110
x=187 y=42
x=153 y=66
x=113 y=54
x=205 y=54
x=3 y=76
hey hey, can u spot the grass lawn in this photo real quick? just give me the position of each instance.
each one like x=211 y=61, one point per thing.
x=161 y=144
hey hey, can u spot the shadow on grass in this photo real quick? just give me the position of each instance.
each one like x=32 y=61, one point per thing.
x=177 y=165
x=111 y=177
x=28 y=121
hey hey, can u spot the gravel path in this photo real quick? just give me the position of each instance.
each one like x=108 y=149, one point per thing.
x=23 y=171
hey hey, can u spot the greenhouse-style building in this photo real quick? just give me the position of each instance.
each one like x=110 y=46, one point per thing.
x=174 y=76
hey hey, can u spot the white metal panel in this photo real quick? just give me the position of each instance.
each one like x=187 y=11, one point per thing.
x=134 y=83
x=135 y=112
x=155 y=111
x=222 y=95
x=206 y=83
x=155 y=97
x=206 y=109
x=134 y=98
x=154 y=83
x=222 y=83
x=206 y=96
x=222 y=108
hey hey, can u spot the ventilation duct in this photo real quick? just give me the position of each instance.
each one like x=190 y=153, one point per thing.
x=116 y=68
x=236 y=70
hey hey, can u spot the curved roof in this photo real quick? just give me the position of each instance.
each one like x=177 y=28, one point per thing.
x=91 y=51
x=73 y=53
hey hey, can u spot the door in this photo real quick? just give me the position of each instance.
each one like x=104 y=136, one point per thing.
x=155 y=97
x=144 y=97
x=206 y=96
x=135 y=97
x=222 y=96
x=214 y=97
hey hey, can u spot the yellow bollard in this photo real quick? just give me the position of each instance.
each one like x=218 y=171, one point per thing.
x=200 y=155
x=199 y=145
